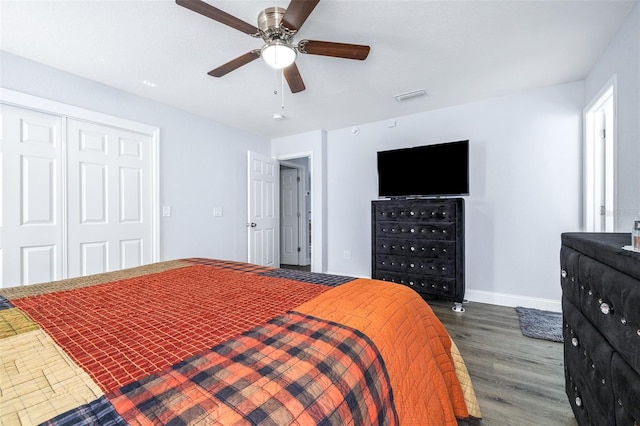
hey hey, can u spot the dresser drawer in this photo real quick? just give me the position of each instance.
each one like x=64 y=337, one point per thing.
x=417 y=247
x=436 y=286
x=431 y=231
x=626 y=391
x=569 y=277
x=587 y=356
x=416 y=211
x=610 y=300
x=417 y=265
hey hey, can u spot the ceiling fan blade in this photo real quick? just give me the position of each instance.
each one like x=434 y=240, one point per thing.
x=294 y=79
x=337 y=50
x=297 y=12
x=218 y=15
x=235 y=63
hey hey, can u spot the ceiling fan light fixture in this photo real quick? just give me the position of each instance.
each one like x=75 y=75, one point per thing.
x=278 y=54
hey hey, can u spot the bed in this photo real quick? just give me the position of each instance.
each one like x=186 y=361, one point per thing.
x=206 y=341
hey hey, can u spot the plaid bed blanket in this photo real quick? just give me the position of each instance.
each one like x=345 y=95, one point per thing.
x=295 y=369
x=201 y=341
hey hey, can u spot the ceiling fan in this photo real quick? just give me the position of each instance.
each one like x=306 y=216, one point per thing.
x=277 y=26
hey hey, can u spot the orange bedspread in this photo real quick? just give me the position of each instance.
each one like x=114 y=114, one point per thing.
x=423 y=376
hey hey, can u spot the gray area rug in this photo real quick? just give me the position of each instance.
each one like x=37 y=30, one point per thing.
x=539 y=324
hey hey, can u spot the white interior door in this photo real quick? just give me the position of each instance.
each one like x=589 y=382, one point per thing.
x=31 y=244
x=262 y=223
x=109 y=198
x=289 y=217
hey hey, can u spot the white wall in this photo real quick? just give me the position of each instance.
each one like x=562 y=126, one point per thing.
x=622 y=59
x=202 y=163
x=525 y=185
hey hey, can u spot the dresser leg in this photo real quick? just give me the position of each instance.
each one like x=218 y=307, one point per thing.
x=457 y=307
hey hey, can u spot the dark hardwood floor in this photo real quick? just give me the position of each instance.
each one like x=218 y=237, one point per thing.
x=296 y=267
x=518 y=380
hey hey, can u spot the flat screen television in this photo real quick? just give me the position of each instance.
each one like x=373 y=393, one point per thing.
x=424 y=171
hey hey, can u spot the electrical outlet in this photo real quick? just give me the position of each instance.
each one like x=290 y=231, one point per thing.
x=217 y=211
x=166 y=211
x=346 y=254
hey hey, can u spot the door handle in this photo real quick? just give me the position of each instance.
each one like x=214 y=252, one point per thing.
x=252 y=224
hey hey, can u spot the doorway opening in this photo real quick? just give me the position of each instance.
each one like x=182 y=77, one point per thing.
x=295 y=214
x=599 y=161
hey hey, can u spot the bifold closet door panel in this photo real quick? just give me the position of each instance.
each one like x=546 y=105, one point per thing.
x=31 y=197
x=109 y=198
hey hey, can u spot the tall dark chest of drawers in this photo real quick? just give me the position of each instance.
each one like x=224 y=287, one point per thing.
x=420 y=243
x=601 y=314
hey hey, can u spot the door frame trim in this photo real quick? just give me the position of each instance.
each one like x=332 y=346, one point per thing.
x=302 y=223
x=316 y=216
x=66 y=111
x=587 y=146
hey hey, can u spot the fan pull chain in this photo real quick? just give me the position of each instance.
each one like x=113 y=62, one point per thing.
x=275 y=90
x=275 y=82
x=282 y=87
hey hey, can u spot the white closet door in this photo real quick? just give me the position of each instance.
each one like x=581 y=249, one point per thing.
x=31 y=248
x=109 y=198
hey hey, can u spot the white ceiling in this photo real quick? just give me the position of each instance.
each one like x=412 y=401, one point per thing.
x=459 y=51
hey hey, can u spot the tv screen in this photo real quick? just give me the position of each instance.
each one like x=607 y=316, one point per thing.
x=424 y=171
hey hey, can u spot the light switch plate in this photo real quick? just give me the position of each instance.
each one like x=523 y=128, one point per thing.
x=166 y=211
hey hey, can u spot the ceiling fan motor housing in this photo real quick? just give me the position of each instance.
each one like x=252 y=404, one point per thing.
x=269 y=21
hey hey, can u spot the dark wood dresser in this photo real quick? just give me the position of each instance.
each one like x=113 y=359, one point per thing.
x=420 y=243
x=601 y=314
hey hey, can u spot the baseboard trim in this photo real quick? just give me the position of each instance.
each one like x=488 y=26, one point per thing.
x=512 y=300
x=500 y=299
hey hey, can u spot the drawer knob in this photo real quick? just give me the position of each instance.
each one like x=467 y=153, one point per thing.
x=574 y=341
x=412 y=249
x=578 y=401
x=605 y=308
x=623 y=321
x=563 y=273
